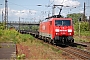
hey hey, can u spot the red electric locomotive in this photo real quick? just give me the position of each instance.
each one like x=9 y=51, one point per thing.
x=57 y=30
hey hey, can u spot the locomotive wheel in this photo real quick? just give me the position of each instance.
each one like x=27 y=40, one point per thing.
x=45 y=39
x=49 y=40
x=72 y=41
x=63 y=41
x=35 y=35
x=39 y=37
x=53 y=42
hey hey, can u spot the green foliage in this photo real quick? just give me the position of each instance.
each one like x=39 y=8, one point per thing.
x=35 y=28
x=45 y=44
x=14 y=36
x=84 y=26
x=1 y=32
x=25 y=37
x=25 y=27
x=80 y=47
x=56 y=50
x=85 y=33
x=22 y=56
x=84 y=29
x=31 y=27
x=76 y=16
x=2 y=26
x=8 y=35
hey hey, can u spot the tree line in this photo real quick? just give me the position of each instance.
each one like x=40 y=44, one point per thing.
x=78 y=18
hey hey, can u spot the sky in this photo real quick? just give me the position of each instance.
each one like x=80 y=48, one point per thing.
x=28 y=10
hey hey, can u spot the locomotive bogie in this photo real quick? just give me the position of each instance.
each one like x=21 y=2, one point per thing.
x=64 y=39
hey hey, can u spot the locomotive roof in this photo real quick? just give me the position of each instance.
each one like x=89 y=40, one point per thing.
x=57 y=17
x=54 y=16
x=60 y=19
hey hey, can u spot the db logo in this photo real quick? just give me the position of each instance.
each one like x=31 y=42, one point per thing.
x=43 y=27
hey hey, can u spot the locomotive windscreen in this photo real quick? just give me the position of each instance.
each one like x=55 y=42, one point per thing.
x=62 y=22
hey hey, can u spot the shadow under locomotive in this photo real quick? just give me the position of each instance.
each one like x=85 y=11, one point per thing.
x=71 y=45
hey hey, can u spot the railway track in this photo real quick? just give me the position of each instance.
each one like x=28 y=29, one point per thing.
x=74 y=53
x=78 y=52
x=85 y=45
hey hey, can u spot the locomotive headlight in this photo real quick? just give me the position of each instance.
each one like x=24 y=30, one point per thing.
x=69 y=33
x=69 y=30
x=56 y=30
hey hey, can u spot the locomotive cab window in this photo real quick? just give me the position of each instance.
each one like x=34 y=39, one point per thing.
x=62 y=22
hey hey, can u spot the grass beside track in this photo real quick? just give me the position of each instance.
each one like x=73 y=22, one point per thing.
x=83 y=33
x=84 y=36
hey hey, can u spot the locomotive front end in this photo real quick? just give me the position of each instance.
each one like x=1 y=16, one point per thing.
x=64 y=30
